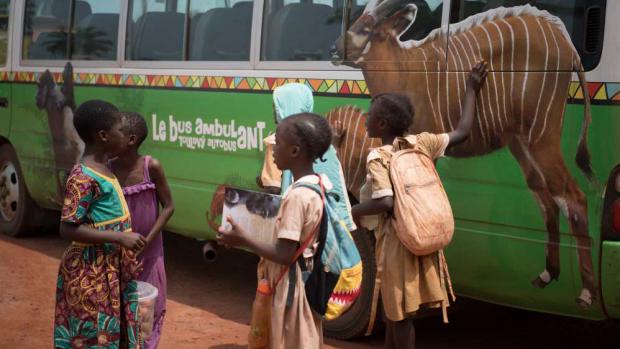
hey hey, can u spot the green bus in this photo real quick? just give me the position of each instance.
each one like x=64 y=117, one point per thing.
x=202 y=73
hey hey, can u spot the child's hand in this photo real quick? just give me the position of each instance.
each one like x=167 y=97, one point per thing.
x=234 y=237
x=132 y=241
x=337 y=133
x=477 y=76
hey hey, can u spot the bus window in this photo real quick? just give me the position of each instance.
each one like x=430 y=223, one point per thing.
x=96 y=29
x=4 y=32
x=194 y=30
x=155 y=32
x=46 y=24
x=221 y=32
x=299 y=30
x=584 y=20
x=427 y=18
x=93 y=26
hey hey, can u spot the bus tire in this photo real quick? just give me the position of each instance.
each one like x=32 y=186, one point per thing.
x=17 y=209
x=354 y=322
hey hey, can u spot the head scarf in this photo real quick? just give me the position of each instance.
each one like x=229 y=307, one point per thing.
x=290 y=99
x=295 y=98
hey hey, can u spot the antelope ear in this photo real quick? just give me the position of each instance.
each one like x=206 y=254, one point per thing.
x=401 y=20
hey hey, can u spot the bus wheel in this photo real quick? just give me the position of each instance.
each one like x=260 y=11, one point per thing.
x=355 y=321
x=16 y=206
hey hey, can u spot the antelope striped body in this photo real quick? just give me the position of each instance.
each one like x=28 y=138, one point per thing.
x=527 y=50
x=531 y=60
x=354 y=145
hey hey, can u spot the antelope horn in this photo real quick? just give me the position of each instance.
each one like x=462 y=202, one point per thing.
x=386 y=8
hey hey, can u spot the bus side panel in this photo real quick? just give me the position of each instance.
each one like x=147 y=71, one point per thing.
x=5 y=110
x=203 y=139
x=32 y=140
x=500 y=230
x=610 y=275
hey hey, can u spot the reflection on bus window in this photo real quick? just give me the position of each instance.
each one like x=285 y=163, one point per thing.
x=427 y=18
x=571 y=12
x=155 y=32
x=222 y=32
x=93 y=26
x=96 y=29
x=300 y=30
x=194 y=30
x=4 y=33
x=46 y=24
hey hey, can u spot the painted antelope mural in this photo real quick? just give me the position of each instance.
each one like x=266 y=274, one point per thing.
x=59 y=104
x=534 y=47
x=353 y=146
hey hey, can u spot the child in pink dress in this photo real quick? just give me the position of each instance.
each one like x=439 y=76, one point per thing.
x=145 y=188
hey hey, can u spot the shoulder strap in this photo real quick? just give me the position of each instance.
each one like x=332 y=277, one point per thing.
x=309 y=239
x=147 y=176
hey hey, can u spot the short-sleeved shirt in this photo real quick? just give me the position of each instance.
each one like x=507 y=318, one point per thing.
x=378 y=162
x=95 y=199
x=408 y=281
x=296 y=325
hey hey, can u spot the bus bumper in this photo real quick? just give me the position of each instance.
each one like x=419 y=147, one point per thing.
x=610 y=278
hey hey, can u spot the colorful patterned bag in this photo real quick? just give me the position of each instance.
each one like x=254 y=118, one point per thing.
x=334 y=282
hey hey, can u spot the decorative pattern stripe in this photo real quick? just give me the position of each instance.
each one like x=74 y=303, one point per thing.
x=600 y=92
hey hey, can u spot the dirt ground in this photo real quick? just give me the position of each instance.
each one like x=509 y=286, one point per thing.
x=209 y=306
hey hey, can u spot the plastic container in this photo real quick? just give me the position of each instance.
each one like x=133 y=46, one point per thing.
x=260 y=327
x=147 y=294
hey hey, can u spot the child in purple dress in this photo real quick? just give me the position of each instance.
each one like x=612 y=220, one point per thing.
x=145 y=188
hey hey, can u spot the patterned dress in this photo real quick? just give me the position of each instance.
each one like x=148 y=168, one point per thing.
x=96 y=298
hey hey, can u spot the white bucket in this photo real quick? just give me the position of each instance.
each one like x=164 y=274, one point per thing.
x=147 y=294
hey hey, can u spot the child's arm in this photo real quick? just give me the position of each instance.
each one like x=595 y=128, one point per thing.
x=267 y=189
x=282 y=252
x=372 y=207
x=85 y=234
x=382 y=199
x=475 y=81
x=164 y=197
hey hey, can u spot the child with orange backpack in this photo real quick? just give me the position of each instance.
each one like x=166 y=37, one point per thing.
x=415 y=219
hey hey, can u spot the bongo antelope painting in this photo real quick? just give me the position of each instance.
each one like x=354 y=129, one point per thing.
x=522 y=110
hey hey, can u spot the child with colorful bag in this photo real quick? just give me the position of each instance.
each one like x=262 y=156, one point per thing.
x=300 y=140
x=407 y=281
x=96 y=290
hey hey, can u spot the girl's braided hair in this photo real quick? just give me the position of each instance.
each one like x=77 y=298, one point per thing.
x=312 y=133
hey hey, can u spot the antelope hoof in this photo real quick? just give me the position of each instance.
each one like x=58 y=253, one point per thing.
x=584 y=300
x=544 y=279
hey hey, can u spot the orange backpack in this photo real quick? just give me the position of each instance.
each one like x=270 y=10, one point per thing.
x=422 y=216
